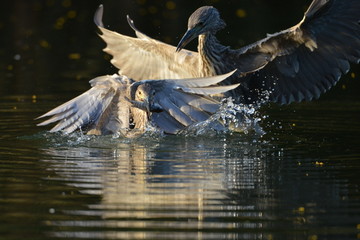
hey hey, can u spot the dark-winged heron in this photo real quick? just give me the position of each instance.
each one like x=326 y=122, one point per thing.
x=118 y=105
x=299 y=63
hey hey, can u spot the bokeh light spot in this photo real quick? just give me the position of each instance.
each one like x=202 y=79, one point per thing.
x=170 y=5
x=241 y=13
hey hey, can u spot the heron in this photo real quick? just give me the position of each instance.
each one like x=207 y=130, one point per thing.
x=296 y=64
x=116 y=104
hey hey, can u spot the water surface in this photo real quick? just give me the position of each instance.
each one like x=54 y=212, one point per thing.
x=300 y=180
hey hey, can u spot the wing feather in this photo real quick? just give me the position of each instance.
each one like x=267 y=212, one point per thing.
x=86 y=110
x=305 y=60
x=183 y=105
x=202 y=82
x=166 y=122
x=209 y=90
x=146 y=58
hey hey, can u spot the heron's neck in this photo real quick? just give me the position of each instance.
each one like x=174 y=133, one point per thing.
x=209 y=49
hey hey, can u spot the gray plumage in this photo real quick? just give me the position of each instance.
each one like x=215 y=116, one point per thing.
x=299 y=63
x=116 y=104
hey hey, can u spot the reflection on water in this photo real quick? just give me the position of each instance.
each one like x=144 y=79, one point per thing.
x=298 y=181
x=192 y=188
x=143 y=185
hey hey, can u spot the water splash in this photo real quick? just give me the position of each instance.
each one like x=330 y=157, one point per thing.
x=231 y=117
x=60 y=140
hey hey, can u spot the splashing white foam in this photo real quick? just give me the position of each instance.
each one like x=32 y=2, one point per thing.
x=230 y=117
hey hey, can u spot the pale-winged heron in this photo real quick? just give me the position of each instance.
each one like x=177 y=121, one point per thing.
x=118 y=105
x=299 y=63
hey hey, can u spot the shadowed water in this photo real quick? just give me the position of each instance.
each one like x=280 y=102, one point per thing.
x=297 y=178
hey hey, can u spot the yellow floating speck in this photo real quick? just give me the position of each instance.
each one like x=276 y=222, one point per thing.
x=60 y=23
x=74 y=56
x=318 y=163
x=170 y=5
x=343 y=87
x=44 y=44
x=294 y=124
x=358 y=226
x=241 y=13
x=301 y=209
x=10 y=67
x=71 y=14
x=352 y=75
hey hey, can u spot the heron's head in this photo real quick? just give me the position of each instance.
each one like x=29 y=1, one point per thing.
x=144 y=98
x=204 y=20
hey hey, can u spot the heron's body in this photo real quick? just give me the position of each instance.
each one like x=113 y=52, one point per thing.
x=296 y=64
x=118 y=105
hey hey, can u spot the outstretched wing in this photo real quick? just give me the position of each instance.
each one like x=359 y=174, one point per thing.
x=186 y=101
x=145 y=58
x=304 y=61
x=96 y=110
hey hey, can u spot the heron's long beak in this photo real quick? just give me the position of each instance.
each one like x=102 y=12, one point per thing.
x=188 y=37
x=140 y=104
x=147 y=105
